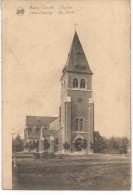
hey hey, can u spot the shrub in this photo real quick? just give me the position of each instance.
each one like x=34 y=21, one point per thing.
x=44 y=155
x=66 y=146
x=36 y=156
x=52 y=155
x=59 y=156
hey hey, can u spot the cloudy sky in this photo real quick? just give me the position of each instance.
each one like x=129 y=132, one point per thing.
x=35 y=49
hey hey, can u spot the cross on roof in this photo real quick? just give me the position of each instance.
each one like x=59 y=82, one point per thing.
x=75 y=24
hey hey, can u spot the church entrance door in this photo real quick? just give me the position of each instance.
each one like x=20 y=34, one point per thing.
x=78 y=144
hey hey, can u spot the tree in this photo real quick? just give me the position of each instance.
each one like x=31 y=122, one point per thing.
x=46 y=144
x=124 y=145
x=118 y=145
x=114 y=143
x=66 y=146
x=18 y=144
x=110 y=145
x=98 y=145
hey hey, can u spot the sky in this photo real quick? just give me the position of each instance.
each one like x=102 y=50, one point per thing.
x=35 y=49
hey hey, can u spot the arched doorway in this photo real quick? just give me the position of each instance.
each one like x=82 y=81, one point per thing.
x=78 y=144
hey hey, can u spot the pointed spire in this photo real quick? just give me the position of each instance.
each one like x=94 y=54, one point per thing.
x=76 y=61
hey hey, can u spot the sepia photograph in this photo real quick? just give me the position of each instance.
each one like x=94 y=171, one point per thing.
x=66 y=95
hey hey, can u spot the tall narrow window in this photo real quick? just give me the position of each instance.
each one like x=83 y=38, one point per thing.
x=82 y=83
x=81 y=124
x=30 y=129
x=76 y=124
x=75 y=83
x=37 y=130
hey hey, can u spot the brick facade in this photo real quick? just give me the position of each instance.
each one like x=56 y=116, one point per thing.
x=75 y=124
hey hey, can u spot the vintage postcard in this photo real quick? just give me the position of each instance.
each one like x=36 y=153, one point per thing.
x=66 y=95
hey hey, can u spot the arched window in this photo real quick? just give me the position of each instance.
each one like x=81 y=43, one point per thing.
x=75 y=83
x=82 y=83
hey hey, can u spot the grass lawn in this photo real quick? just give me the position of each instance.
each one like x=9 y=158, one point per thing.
x=92 y=172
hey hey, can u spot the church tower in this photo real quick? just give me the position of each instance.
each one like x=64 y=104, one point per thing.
x=77 y=107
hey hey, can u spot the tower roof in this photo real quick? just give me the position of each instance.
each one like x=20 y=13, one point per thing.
x=76 y=61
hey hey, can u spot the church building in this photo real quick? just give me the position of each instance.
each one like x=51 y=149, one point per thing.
x=74 y=125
